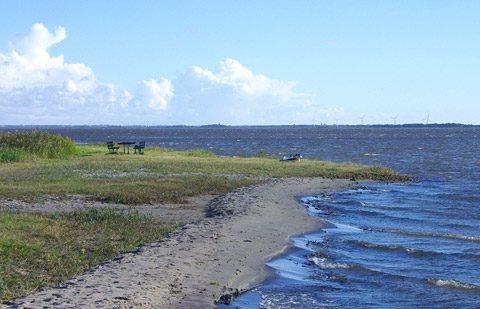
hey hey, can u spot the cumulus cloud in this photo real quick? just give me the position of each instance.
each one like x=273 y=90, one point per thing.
x=36 y=85
x=28 y=63
x=31 y=50
x=243 y=82
x=155 y=94
x=39 y=88
x=233 y=94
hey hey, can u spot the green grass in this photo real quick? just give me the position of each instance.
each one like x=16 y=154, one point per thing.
x=22 y=146
x=40 y=250
x=200 y=153
x=160 y=176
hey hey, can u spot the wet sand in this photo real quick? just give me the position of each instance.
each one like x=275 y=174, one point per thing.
x=221 y=254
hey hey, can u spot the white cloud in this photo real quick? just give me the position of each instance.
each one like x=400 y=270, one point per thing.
x=39 y=88
x=155 y=95
x=244 y=83
x=31 y=50
x=35 y=85
x=28 y=63
x=233 y=94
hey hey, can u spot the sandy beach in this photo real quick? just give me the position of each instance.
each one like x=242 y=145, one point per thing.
x=220 y=255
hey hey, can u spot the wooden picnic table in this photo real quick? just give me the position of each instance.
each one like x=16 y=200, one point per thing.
x=127 y=145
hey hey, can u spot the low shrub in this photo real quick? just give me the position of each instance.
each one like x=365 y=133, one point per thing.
x=20 y=146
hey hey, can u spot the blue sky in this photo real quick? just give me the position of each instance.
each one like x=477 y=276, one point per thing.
x=239 y=62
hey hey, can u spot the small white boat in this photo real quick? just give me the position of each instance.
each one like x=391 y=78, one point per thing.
x=292 y=157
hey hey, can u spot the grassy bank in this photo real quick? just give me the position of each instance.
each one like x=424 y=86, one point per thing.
x=41 y=250
x=160 y=176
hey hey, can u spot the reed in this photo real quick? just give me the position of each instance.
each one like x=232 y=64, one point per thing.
x=22 y=146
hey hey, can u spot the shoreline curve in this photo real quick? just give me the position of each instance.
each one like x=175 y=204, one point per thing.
x=218 y=256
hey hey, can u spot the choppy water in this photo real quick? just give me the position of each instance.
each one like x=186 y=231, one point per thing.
x=390 y=245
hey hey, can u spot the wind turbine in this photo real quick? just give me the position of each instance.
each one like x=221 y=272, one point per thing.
x=394 y=119
x=428 y=118
x=336 y=120
x=361 y=118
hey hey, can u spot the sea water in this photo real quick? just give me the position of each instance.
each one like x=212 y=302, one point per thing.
x=389 y=245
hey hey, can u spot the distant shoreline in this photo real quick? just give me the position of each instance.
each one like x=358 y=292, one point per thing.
x=220 y=126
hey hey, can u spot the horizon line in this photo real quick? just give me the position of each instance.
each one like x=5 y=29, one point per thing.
x=445 y=124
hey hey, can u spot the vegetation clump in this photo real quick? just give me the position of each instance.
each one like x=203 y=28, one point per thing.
x=22 y=146
x=39 y=250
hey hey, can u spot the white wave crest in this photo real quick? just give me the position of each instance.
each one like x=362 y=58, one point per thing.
x=324 y=264
x=452 y=283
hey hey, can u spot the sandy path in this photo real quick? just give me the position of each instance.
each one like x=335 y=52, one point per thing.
x=169 y=213
x=194 y=266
